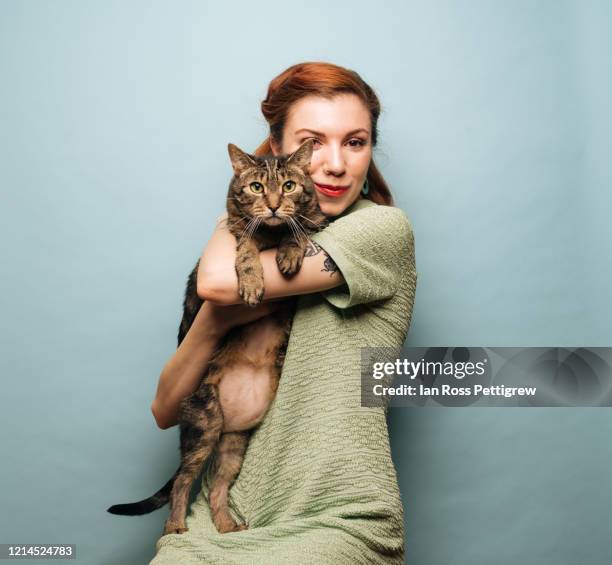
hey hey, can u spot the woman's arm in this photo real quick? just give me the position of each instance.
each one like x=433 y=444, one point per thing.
x=218 y=282
x=183 y=372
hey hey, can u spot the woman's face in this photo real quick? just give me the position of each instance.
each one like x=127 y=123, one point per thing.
x=342 y=151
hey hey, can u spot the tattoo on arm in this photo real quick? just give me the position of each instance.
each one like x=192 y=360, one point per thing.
x=312 y=248
x=328 y=264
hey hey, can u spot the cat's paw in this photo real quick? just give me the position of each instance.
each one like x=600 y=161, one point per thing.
x=289 y=260
x=175 y=528
x=251 y=291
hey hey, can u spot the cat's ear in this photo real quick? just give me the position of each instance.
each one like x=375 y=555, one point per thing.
x=240 y=159
x=302 y=155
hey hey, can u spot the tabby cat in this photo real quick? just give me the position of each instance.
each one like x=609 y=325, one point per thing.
x=267 y=199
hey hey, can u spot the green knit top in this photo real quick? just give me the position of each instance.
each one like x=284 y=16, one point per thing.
x=318 y=485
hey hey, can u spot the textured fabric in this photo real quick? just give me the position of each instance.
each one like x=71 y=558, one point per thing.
x=318 y=485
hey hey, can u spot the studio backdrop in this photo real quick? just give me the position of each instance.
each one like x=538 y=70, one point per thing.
x=495 y=139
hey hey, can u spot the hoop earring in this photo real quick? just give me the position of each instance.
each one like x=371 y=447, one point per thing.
x=366 y=187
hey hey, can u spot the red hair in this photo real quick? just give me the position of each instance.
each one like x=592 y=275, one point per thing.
x=327 y=80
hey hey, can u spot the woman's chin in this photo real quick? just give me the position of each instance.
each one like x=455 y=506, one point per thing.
x=333 y=208
x=329 y=207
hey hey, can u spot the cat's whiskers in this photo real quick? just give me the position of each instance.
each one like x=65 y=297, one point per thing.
x=259 y=220
x=289 y=223
x=300 y=228
x=309 y=220
x=254 y=227
x=246 y=232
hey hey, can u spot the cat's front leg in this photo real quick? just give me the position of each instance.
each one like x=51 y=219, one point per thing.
x=290 y=255
x=250 y=273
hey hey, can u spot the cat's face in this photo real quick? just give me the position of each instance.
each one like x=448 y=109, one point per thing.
x=272 y=189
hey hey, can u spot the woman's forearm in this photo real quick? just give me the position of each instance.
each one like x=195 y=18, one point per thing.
x=182 y=373
x=217 y=280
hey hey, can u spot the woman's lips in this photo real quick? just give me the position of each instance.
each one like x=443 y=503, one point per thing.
x=333 y=191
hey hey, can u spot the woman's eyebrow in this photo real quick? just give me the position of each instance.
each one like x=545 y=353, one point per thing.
x=352 y=132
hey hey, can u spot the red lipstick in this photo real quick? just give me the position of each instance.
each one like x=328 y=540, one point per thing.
x=331 y=190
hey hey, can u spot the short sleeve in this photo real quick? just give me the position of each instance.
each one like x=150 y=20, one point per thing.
x=372 y=247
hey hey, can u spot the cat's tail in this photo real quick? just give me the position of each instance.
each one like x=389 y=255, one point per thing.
x=155 y=501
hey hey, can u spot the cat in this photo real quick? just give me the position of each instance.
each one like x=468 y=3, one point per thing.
x=267 y=199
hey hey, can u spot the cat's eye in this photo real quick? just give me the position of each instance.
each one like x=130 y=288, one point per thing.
x=256 y=187
x=288 y=186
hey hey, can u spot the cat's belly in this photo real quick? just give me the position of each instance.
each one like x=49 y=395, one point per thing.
x=249 y=378
x=245 y=394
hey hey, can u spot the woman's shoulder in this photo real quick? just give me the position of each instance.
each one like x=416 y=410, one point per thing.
x=372 y=245
x=390 y=220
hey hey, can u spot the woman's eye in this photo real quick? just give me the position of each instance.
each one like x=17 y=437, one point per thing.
x=357 y=142
x=289 y=186
x=256 y=187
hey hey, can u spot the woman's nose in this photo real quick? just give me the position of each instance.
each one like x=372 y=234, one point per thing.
x=334 y=160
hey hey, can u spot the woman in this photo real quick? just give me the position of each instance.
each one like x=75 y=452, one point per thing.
x=317 y=484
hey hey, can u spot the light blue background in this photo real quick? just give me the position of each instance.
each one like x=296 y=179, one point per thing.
x=495 y=138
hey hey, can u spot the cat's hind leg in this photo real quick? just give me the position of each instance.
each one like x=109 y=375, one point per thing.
x=229 y=457
x=201 y=422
